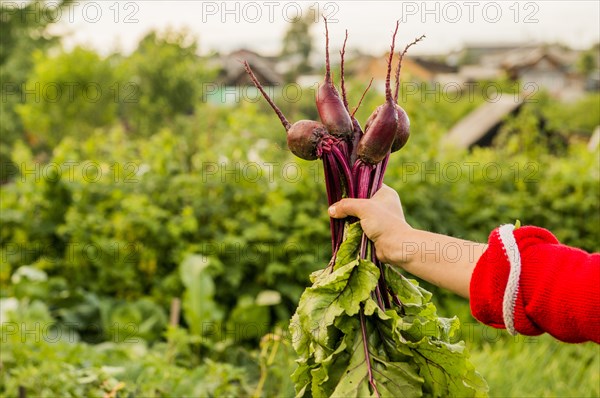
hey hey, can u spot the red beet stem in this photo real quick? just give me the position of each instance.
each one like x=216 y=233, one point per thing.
x=329 y=186
x=259 y=86
x=378 y=178
x=342 y=53
x=343 y=163
x=399 y=67
x=364 y=180
x=381 y=285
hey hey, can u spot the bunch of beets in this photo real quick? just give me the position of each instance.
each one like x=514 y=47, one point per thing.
x=354 y=161
x=363 y=329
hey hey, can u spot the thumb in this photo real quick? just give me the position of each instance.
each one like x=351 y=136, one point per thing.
x=348 y=207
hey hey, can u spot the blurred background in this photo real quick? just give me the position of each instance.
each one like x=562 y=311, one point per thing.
x=156 y=234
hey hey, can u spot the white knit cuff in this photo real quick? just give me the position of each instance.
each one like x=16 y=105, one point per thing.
x=512 y=285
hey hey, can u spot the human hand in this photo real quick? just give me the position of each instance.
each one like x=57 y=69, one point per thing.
x=382 y=220
x=421 y=253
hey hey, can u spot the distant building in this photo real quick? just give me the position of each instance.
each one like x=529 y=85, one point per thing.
x=413 y=69
x=232 y=71
x=480 y=126
x=476 y=53
x=233 y=83
x=549 y=68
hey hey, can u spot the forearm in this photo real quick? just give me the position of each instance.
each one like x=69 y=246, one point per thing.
x=439 y=259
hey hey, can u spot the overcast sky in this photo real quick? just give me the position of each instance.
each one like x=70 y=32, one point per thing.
x=226 y=26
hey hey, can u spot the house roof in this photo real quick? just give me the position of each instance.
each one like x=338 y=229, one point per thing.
x=525 y=59
x=434 y=66
x=232 y=71
x=376 y=67
x=478 y=124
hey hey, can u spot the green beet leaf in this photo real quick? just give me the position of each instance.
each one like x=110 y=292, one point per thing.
x=350 y=347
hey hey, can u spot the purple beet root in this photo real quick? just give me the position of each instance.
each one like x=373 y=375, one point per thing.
x=380 y=129
x=379 y=134
x=402 y=129
x=331 y=108
x=303 y=138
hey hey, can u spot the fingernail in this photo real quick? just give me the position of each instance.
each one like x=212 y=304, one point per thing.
x=332 y=210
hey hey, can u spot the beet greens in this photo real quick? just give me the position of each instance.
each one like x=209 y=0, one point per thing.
x=363 y=329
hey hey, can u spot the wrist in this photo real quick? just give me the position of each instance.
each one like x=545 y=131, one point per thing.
x=401 y=246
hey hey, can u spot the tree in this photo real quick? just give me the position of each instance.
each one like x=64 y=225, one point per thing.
x=23 y=31
x=167 y=77
x=587 y=61
x=298 y=41
x=74 y=93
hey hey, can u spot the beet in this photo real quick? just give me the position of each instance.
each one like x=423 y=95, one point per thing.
x=332 y=111
x=303 y=138
x=402 y=129
x=379 y=135
x=380 y=129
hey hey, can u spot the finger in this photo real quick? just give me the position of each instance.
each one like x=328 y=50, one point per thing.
x=348 y=207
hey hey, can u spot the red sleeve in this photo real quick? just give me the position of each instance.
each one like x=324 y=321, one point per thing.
x=558 y=291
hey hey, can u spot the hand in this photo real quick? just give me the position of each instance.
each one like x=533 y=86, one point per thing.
x=428 y=255
x=382 y=220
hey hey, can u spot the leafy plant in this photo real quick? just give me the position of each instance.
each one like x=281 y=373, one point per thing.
x=349 y=346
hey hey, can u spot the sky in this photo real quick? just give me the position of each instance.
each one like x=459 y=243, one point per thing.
x=109 y=25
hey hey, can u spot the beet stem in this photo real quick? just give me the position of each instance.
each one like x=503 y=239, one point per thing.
x=362 y=97
x=388 y=88
x=363 y=327
x=382 y=285
x=334 y=194
x=330 y=196
x=342 y=53
x=378 y=178
x=379 y=297
x=399 y=67
x=341 y=160
x=356 y=136
x=286 y=124
x=383 y=166
x=364 y=180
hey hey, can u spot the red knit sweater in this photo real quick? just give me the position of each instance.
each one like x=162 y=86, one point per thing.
x=558 y=287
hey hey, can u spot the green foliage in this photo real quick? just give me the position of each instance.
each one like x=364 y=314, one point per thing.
x=163 y=79
x=298 y=41
x=349 y=347
x=587 y=61
x=198 y=301
x=24 y=31
x=581 y=116
x=528 y=367
x=75 y=92
x=122 y=227
x=51 y=362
